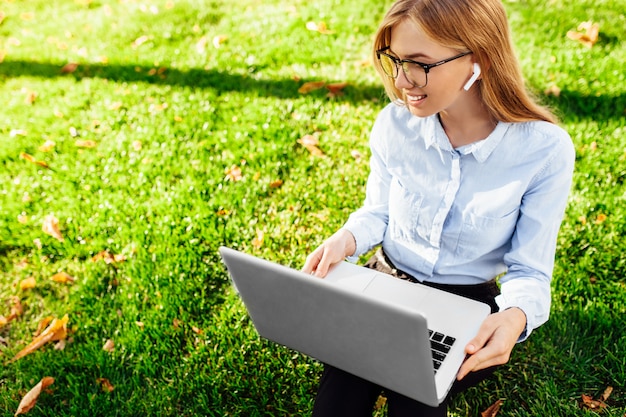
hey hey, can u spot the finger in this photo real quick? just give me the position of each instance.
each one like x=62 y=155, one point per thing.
x=494 y=353
x=324 y=265
x=312 y=261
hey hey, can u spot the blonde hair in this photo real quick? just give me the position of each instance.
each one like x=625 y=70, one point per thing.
x=481 y=27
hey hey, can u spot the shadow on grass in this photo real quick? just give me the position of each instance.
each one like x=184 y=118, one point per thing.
x=219 y=81
x=571 y=105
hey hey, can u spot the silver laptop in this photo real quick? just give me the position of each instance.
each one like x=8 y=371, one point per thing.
x=406 y=337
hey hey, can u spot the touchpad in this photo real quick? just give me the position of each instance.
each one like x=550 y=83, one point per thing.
x=397 y=291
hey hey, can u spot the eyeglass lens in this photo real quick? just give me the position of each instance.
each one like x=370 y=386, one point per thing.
x=414 y=73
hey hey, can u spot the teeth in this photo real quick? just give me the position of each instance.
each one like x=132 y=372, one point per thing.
x=415 y=98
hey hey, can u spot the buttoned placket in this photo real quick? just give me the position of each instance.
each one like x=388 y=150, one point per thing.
x=448 y=198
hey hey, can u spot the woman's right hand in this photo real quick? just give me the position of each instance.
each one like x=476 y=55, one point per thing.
x=335 y=249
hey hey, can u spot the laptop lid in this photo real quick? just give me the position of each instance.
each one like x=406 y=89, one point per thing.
x=367 y=323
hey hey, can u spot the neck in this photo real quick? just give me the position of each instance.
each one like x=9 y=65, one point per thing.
x=467 y=125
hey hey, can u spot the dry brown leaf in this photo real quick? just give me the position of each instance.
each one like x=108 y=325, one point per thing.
x=42 y=325
x=493 y=409
x=257 y=242
x=57 y=330
x=587 y=33
x=588 y=402
x=233 y=173
x=109 y=346
x=553 y=90
x=320 y=27
x=69 y=68
x=335 y=89
x=105 y=384
x=16 y=308
x=47 y=146
x=51 y=227
x=32 y=159
x=140 y=41
x=311 y=86
x=85 y=144
x=62 y=278
x=276 y=184
x=28 y=284
x=30 y=399
x=108 y=257
x=18 y=132
x=607 y=393
x=310 y=142
x=31 y=96
x=219 y=40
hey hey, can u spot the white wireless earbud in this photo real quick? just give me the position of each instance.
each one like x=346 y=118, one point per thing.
x=473 y=78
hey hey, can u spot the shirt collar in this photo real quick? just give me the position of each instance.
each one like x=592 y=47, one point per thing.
x=434 y=135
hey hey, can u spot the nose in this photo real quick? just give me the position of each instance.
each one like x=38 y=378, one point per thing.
x=402 y=80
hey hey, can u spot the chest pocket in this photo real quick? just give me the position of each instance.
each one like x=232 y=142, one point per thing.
x=406 y=217
x=481 y=234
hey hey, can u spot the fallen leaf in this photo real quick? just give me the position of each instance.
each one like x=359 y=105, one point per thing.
x=607 y=393
x=108 y=257
x=319 y=27
x=356 y=155
x=42 y=325
x=310 y=142
x=51 y=227
x=31 y=96
x=16 y=308
x=69 y=68
x=17 y=132
x=493 y=409
x=601 y=218
x=57 y=330
x=553 y=90
x=105 y=384
x=219 y=40
x=276 y=184
x=85 y=144
x=62 y=278
x=140 y=41
x=310 y=86
x=109 y=346
x=588 y=402
x=32 y=159
x=257 y=242
x=587 y=33
x=30 y=399
x=47 y=146
x=28 y=284
x=335 y=89
x=233 y=173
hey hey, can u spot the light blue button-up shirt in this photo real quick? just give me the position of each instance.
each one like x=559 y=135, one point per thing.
x=470 y=214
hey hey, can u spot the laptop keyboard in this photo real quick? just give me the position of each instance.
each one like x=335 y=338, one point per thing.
x=440 y=345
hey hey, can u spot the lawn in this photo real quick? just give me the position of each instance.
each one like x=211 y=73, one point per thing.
x=137 y=136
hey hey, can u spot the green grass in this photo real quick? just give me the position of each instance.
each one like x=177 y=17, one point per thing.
x=172 y=115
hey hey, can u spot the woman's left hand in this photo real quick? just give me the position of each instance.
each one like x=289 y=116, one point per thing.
x=494 y=342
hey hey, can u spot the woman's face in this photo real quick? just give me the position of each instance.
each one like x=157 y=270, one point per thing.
x=444 y=90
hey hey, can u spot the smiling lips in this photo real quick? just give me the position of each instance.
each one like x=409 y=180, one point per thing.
x=415 y=99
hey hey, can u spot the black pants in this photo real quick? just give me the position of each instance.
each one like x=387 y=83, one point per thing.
x=342 y=394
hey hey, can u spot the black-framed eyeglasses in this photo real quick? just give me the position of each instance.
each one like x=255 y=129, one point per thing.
x=416 y=72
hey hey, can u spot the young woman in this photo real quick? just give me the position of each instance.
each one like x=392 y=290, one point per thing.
x=469 y=181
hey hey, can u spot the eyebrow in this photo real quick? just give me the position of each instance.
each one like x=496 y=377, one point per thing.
x=415 y=56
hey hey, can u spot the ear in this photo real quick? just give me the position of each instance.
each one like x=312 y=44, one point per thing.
x=473 y=78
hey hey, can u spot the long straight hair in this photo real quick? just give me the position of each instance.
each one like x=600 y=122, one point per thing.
x=481 y=27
